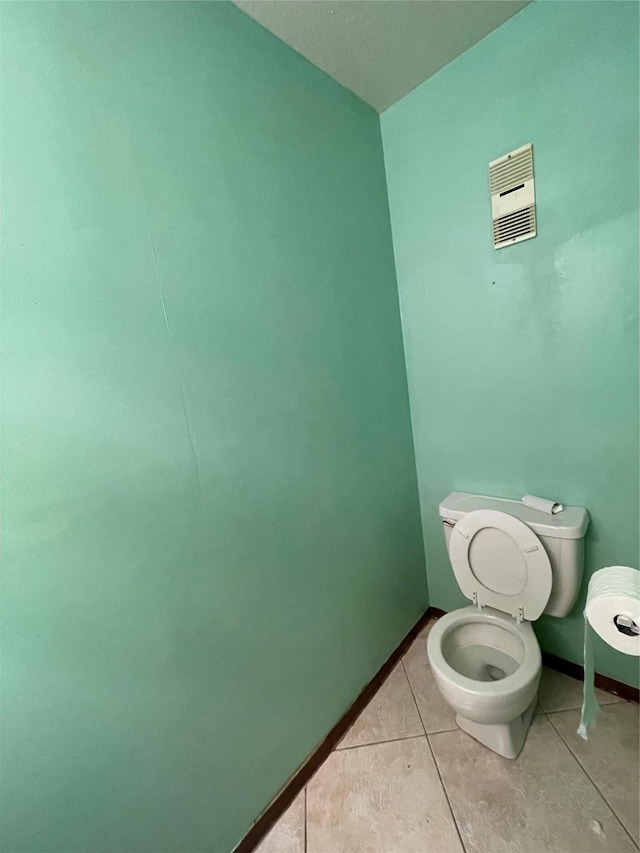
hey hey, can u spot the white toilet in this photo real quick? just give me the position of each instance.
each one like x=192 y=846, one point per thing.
x=514 y=563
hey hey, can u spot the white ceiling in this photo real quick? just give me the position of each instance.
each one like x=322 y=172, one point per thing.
x=381 y=49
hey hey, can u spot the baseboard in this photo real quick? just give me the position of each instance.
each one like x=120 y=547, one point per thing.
x=297 y=782
x=435 y=613
x=574 y=670
x=602 y=682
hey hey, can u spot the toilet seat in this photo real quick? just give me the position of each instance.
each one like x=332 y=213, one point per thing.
x=499 y=562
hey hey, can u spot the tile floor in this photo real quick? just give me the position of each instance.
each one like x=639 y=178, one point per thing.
x=404 y=779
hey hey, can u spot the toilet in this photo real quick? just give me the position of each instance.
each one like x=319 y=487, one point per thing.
x=514 y=563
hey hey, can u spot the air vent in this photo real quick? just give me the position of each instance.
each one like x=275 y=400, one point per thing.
x=513 y=201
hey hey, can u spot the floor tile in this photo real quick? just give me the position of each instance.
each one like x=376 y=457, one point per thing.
x=391 y=714
x=287 y=836
x=436 y=715
x=560 y=692
x=610 y=757
x=427 y=627
x=383 y=798
x=543 y=801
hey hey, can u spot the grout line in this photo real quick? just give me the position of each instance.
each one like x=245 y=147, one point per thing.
x=415 y=701
x=579 y=707
x=442 y=731
x=559 y=711
x=427 y=734
x=377 y=742
x=446 y=795
x=435 y=763
x=582 y=767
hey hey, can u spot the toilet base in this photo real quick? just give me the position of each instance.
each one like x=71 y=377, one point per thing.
x=507 y=739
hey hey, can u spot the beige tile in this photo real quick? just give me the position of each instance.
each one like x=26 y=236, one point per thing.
x=559 y=692
x=287 y=836
x=383 y=798
x=436 y=715
x=427 y=627
x=391 y=714
x=543 y=801
x=610 y=757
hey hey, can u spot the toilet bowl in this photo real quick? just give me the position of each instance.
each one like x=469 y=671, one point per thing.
x=486 y=665
x=485 y=658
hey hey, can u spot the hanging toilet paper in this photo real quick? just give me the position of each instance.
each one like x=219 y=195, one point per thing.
x=612 y=610
x=542 y=504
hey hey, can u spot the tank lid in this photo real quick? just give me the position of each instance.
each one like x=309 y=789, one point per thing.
x=571 y=523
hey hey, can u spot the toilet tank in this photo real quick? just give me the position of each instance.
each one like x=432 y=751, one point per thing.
x=561 y=534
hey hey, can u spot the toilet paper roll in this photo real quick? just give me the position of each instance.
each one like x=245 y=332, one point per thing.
x=542 y=504
x=612 y=611
x=613 y=607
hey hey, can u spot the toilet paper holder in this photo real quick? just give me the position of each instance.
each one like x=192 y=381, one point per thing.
x=626 y=625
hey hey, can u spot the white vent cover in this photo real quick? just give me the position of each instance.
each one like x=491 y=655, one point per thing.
x=513 y=200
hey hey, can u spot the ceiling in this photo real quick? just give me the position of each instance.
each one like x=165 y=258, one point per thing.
x=381 y=49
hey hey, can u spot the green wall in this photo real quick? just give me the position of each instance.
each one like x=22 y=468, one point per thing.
x=211 y=527
x=523 y=362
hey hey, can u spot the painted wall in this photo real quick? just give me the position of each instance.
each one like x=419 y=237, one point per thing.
x=211 y=526
x=523 y=362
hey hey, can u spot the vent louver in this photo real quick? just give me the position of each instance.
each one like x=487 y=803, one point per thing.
x=513 y=197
